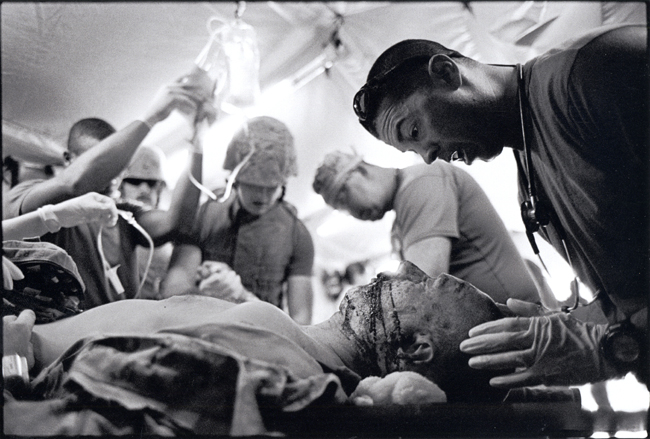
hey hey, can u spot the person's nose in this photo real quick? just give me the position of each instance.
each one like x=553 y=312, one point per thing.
x=429 y=153
x=267 y=193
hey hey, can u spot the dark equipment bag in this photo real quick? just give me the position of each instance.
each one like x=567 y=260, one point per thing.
x=52 y=286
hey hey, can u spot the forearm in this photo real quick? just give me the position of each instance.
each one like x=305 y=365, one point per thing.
x=94 y=169
x=300 y=299
x=177 y=283
x=431 y=255
x=302 y=316
x=184 y=203
x=29 y=225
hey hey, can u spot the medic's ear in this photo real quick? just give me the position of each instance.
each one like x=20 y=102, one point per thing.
x=420 y=351
x=444 y=72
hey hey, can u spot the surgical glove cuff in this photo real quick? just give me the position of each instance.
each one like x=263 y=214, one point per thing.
x=49 y=218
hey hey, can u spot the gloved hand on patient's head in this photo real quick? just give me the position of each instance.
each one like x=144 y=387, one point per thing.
x=217 y=279
x=550 y=348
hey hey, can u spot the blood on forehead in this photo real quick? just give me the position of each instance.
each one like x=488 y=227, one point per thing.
x=383 y=315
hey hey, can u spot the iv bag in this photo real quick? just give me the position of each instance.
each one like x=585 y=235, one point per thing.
x=210 y=69
x=227 y=68
x=239 y=44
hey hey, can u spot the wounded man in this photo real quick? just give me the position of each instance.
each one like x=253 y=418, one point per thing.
x=200 y=365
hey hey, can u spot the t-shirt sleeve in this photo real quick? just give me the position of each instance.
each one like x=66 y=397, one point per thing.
x=302 y=261
x=427 y=207
x=616 y=97
x=14 y=199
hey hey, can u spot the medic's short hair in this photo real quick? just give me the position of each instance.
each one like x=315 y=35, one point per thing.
x=394 y=75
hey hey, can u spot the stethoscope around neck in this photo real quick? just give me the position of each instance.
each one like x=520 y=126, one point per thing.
x=533 y=213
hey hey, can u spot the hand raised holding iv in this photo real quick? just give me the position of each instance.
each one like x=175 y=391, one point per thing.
x=550 y=348
x=184 y=97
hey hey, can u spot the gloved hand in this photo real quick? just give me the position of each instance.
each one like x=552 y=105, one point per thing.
x=217 y=279
x=550 y=348
x=10 y=273
x=17 y=335
x=86 y=208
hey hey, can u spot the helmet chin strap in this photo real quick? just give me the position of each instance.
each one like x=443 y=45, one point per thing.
x=233 y=175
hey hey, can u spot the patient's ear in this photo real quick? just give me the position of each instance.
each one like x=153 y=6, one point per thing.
x=420 y=351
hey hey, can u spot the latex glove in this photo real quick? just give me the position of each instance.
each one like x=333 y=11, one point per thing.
x=184 y=97
x=550 y=348
x=217 y=279
x=90 y=207
x=17 y=335
x=10 y=273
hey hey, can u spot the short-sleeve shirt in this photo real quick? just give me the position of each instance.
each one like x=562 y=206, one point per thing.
x=588 y=137
x=443 y=200
x=264 y=250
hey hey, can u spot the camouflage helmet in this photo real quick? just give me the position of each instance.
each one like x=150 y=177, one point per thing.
x=274 y=158
x=146 y=164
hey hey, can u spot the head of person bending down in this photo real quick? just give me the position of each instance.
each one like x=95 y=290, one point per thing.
x=421 y=96
x=346 y=182
x=261 y=175
x=408 y=321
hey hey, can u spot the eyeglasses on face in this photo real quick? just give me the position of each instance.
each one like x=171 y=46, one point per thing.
x=139 y=181
x=362 y=99
x=360 y=103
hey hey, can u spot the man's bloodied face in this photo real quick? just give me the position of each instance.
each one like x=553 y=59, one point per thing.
x=399 y=317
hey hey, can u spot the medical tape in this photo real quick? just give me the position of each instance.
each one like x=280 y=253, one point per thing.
x=332 y=191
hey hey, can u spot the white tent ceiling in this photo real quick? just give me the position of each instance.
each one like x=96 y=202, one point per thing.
x=66 y=61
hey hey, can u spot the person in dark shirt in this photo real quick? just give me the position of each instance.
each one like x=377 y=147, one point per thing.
x=576 y=118
x=250 y=244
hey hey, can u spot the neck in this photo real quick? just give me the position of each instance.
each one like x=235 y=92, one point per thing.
x=391 y=177
x=329 y=335
x=504 y=86
x=511 y=102
x=397 y=177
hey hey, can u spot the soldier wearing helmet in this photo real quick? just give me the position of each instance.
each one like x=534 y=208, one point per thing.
x=252 y=245
x=143 y=179
x=141 y=186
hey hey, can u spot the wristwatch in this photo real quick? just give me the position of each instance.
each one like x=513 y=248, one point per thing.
x=621 y=345
x=15 y=372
